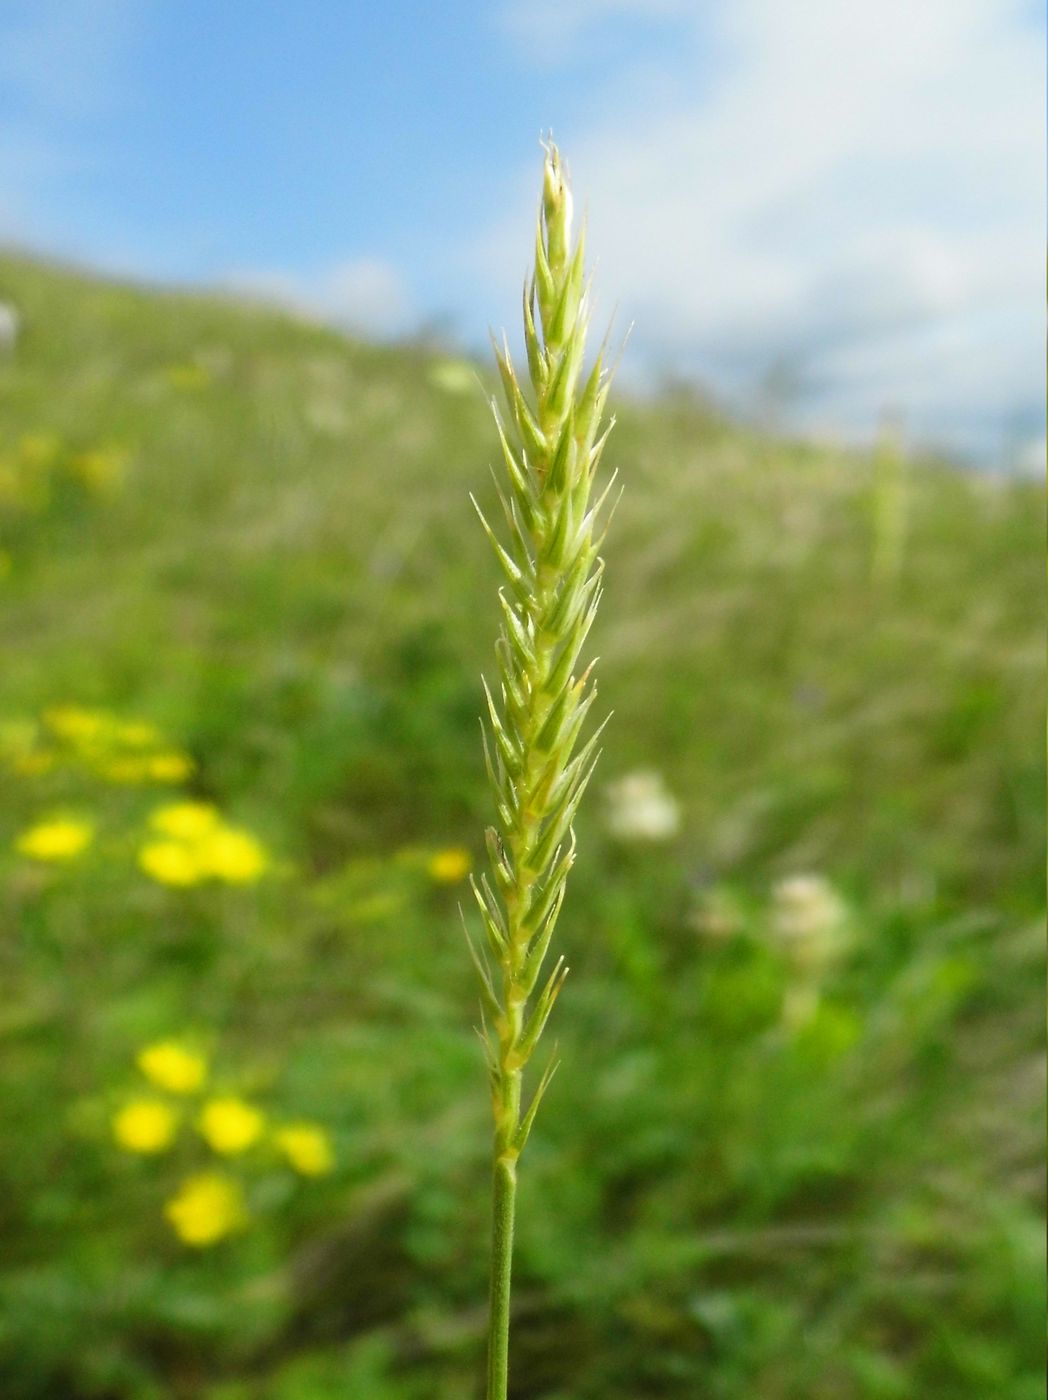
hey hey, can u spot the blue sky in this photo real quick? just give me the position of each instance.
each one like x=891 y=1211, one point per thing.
x=834 y=209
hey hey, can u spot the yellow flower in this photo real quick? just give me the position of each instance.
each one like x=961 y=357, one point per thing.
x=185 y=821
x=171 y=863
x=17 y=735
x=200 y=846
x=30 y=764
x=76 y=724
x=137 y=734
x=173 y=1066
x=450 y=866
x=39 y=449
x=10 y=485
x=169 y=767
x=307 y=1147
x=20 y=745
x=123 y=770
x=60 y=838
x=230 y=1125
x=101 y=469
x=145 y=1125
x=232 y=855
x=206 y=1208
x=188 y=376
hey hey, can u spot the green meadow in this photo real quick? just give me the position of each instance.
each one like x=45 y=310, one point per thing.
x=794 y=1149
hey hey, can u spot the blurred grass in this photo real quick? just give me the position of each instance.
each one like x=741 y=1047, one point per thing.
x=719 y=1201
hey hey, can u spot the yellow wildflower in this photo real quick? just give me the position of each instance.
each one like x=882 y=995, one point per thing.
x=18 y=735
x=188 y=376
x=307 y=1147
x=230 y=1125
x=232 y=855
x=173 y=1066
x=76 y=724
x=145 y=1125
x=34 y=762
x=200 y=846
x=450 y=866
x=20 y=746
x=171 y=863
x=60 y=838
x=137 y=734
x=123 y=770
x=101 y=469
x=169 y=767
x=39 y=449
x=185 y=821
x=206 y=1208
x=9 y=483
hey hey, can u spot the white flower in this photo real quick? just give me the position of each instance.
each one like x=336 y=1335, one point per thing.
x=9 y=325
x=639 y=808
x=810 y=918
x=717 y=915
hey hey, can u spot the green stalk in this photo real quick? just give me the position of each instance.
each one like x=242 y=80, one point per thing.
x=551 y=449
x=504 y=1202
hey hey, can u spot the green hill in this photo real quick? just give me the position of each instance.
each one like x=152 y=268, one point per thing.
x=793 y=1151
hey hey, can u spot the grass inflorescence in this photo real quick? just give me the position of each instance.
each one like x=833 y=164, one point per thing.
x=551 y=450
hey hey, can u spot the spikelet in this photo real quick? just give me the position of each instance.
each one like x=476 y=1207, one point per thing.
x=551 y=441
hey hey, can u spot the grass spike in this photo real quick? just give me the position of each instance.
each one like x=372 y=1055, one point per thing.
x=550 y=444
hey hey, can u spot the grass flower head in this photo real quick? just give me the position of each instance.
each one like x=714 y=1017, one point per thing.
x=551 y=449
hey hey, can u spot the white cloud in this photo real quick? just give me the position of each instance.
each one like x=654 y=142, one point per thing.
x=550 y=29
x=1032 y=457
x=368 y=294
x=858 y=192
x=364 y=294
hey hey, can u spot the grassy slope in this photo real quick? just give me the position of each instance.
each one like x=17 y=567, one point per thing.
x=292 y=585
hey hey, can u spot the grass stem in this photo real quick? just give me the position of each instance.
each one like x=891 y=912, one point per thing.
x=503 y=1212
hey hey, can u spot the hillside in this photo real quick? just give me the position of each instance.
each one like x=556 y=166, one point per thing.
x=794 y=1148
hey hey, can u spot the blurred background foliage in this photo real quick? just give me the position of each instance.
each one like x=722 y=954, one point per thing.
x=794 y=1149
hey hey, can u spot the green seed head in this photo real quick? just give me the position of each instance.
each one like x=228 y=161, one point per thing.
x=551 y=447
